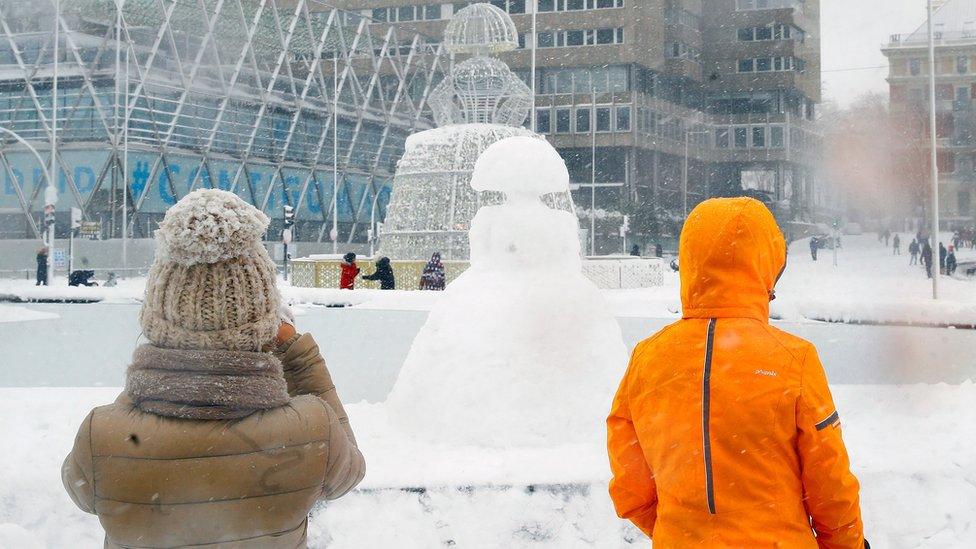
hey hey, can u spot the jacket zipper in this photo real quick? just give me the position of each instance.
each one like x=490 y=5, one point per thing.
x=706 y=402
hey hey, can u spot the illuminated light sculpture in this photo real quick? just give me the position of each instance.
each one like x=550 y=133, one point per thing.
x=479 y=103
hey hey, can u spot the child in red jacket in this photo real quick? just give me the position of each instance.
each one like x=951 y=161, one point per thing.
x=347 y=281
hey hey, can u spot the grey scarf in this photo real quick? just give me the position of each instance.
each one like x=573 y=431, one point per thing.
x=204 y=384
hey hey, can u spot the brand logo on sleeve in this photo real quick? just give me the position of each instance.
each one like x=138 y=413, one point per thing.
x=767 y=373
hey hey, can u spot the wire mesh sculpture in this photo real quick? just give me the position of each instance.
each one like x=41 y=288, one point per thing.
x=481 y=101
x=481 y=29
x=481 y=90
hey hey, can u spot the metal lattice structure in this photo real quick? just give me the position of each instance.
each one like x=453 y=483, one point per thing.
x=164 y=96
x=481 y=90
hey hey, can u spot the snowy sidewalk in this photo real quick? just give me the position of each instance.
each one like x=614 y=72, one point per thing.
x=870 y=285
x=911 y=448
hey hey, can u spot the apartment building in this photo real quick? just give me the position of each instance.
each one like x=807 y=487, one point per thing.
x=677 y=100
x=954 y=25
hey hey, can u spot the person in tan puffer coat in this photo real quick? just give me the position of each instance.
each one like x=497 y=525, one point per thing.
x=230 y=428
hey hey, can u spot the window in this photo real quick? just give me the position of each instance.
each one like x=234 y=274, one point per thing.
x=946 y=161
x=759 y=137
x=379 y=14
x=962 y=64
x=776 y=137
x=722 y=138
x=764 y=64
x=746 y=5
x=587 y=37
x=603 y=116
x=915 y=67
x=583 y=120
x=432 y=12
x=764 y=33
x=747 y=34
x=745 y=65
x=405 y=13
x=578 y=5
x=741 y=138
x=543 y=121
x=623 y=119
x=563 y=117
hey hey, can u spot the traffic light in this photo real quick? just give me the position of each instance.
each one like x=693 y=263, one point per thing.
x=289 y=215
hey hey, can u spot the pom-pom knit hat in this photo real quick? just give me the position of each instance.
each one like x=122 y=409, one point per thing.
x=212 y=284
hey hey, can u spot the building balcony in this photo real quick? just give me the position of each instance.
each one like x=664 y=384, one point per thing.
x=942 y=39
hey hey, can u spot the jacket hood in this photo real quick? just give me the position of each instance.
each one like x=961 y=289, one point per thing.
x=730 y=255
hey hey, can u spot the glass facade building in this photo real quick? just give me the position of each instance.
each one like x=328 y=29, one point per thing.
x=166 y=96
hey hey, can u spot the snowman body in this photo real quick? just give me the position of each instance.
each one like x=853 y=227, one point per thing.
x=521 y=350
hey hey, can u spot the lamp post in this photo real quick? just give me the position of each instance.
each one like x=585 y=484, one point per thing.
x=334 y=233
x=40 y=160
x=51 y=193
x=535 y=37
x=934 y=159
x=684 y=169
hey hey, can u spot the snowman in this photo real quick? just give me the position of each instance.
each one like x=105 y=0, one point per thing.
x=521 y=350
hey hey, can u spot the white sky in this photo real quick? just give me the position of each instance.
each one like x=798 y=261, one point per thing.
x=852 y=33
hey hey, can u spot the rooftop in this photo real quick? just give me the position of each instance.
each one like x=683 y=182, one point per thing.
x=954 y=23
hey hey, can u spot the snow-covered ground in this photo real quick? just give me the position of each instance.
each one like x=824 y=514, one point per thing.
x=14 y=313
x=911 y=445
x=869 y=285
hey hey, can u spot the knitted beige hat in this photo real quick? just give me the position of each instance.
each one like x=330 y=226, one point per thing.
x=212 y=285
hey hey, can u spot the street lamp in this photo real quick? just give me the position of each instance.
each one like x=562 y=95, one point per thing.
x=50 y=193
x=934 y=158
x=684 y=169
x=334 y=233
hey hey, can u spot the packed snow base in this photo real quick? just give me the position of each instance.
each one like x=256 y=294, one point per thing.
x=911 y=448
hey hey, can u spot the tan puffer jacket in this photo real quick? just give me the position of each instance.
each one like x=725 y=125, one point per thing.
x=158 y=481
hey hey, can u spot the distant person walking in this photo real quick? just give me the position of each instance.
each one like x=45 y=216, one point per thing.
x=42 y=266
x=942 y=258
x=887 y=236
x=896 y=245
x=347 y=278
x=951 y=261
x=927 y=258
x=635 y=250
x=658 y=250
x=433 y=277
x=814 y=246
x=383 y=273
x=913 y=251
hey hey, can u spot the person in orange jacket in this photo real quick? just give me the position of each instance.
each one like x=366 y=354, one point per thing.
x=723 y=432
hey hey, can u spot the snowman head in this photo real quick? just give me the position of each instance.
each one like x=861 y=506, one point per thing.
x=524 y=168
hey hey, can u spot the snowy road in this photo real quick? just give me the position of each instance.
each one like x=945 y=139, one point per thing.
x=365 y=348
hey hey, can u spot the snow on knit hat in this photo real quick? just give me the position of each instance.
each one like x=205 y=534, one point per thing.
x=212 y=285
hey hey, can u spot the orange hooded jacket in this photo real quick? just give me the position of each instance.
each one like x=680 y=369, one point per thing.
x=723 y=432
